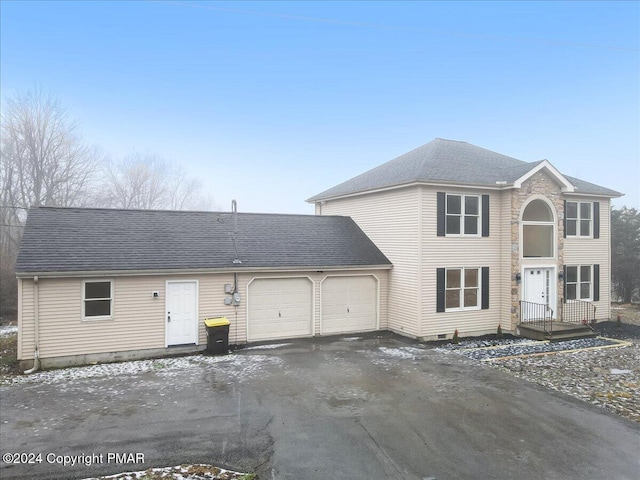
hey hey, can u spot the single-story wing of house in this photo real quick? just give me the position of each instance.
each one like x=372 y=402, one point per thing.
x=105 y=285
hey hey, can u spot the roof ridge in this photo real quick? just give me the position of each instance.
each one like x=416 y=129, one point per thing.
x=144 y=210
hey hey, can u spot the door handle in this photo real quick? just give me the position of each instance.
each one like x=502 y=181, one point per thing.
x=168 y=316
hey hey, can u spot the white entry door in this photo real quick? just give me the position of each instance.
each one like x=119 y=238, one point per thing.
x=539 y=287
x=182 y=313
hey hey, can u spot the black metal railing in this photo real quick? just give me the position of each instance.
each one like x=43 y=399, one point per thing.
x=536 y=315
x=578 y=311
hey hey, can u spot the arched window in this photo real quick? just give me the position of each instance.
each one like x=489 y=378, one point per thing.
x=538 y=230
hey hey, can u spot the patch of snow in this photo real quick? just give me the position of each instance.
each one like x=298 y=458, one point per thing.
x=351 y=339
x=7 y=330
x=268 y=347
x=180 y=472
x=615 y=371
x=390 y=357
x=401 y=352
x=237 y=365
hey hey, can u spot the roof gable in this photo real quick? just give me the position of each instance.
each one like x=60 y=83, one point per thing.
x=566 y=185
x=67 y=240
x=453 y=162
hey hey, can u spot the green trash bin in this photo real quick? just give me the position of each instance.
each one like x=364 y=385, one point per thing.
x=217 y=335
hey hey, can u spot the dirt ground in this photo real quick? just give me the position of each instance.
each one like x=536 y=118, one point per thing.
x=628 y=328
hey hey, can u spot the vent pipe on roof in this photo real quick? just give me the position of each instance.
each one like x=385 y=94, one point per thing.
x=234 y=211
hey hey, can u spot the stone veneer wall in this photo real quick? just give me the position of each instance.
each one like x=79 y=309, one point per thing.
x=542 y=184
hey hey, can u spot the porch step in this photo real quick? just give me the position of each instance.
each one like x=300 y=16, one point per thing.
x=573 y=335
x=533 y=333
x=560 y=331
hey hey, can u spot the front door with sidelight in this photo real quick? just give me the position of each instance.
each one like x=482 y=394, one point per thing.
x=182 y=313
x=539 y=287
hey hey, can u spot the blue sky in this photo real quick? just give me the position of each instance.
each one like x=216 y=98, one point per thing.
x=273 y=102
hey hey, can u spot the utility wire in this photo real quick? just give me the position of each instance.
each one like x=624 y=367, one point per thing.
x=394 y=28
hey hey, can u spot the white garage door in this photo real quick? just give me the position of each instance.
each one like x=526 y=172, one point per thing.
x=279 y=308
x=349 y=304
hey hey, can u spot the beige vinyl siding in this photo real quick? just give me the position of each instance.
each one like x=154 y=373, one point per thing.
x=452 y=252
x=591 y=251
x=211 y=297
x=391 y=219
x=507 y=322
x=138 y=320
x=137 y=323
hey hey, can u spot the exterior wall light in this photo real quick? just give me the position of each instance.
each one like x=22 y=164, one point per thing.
x=518 y=277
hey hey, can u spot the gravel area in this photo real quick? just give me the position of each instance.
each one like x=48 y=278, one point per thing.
x=608 y=378
x=599 y=371
x=504 y=351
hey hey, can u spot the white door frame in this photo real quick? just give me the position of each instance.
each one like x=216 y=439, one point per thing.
x=551 y=291
x=166 y=309
x=377 y=280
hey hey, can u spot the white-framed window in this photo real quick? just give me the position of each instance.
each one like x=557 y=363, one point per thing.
x=97 y=299
x=462 y=215
x=579 y=282
x=462 y=289
x=579 y=219
x=538 y=230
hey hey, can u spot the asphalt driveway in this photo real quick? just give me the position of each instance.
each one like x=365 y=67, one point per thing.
x=371 y=407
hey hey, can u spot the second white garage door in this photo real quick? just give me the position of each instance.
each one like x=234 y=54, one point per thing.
x=349 y=304
x=279 y=308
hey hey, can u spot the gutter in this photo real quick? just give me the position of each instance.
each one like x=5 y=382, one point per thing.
x=197 y=271
x=36 y=327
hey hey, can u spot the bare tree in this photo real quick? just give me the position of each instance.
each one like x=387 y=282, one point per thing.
x=43 y=161
x=625 y=253
x=146 y=181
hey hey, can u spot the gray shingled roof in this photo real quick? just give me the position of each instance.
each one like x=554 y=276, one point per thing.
x=77 y=239
x=446 y=161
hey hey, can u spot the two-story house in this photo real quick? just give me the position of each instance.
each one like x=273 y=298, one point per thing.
x=446 y=237
x=480 y=240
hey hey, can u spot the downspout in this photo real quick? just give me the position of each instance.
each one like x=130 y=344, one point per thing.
x=36 y=325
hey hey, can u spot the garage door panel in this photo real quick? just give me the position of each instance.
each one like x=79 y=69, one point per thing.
x=280 y=308
x=349 y=304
